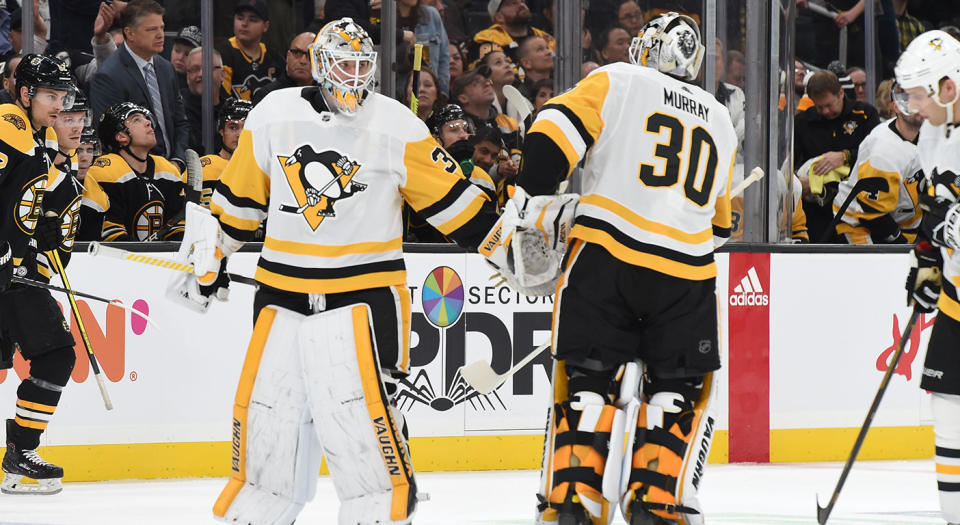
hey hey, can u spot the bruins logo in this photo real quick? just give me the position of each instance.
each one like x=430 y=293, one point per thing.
x=16 y=120
x=318 y=181
x=204 y=162
x=148 y=220
x=102 y=162
x=71 y=223
x=27 y=210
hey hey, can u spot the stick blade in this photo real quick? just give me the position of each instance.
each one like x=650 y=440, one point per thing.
x=822 y=513
x=481 y=377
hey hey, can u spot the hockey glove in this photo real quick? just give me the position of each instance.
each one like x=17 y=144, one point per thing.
x=941 y=221
x=49 y=232
x=923 y=281
x=6 y=265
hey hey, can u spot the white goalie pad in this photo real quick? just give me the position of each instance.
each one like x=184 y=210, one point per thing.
x=529 y=241
x=368 y=457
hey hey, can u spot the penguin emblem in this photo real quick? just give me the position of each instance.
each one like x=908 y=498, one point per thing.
x=318 y=181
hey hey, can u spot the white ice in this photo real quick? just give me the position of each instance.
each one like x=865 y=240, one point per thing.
x=884 y=492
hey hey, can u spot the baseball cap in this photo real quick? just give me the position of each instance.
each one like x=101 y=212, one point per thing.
x=460 y=83
x=493 y=6
x=189 y=35
x=259 y=7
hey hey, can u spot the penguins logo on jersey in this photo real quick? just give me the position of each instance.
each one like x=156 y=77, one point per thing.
x=251 y=84
x=27 y=210
x=16 y=120
x=849 y=127
x=318 y=181
x=936 y=43
x=148 y=220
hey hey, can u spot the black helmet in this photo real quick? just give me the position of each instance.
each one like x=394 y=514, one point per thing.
x=447 y=113
x=80 y=104
x=38 y=71
x=234 y=109
x=114 y=120
x=89 y=135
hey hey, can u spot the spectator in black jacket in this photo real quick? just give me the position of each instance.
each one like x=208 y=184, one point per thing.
x=366 y=13
x=297 y=72
x=193 y=96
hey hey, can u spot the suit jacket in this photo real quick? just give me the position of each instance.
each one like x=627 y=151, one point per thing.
x=119 y=80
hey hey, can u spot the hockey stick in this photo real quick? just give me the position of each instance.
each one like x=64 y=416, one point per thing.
x=861 y=186
x=99 y=249
x=415 y=88
x=115 y=302
x=193 y=191
x=824 y=512
x=516 y=99
x=755 y=175
x=484 y=379
x=55 y=258
x=289 y=208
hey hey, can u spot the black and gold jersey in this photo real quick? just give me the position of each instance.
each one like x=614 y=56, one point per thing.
x=25 y=158
x=212 y=167
x=658 y=156
x=243 y=75
x=331 y=188
x=124 y=205
x=62 y=197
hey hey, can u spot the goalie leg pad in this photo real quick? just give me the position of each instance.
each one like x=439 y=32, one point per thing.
x=583 y=449
x=276 y=453
x=946 y=413
x=366 y=452
x=669 y=445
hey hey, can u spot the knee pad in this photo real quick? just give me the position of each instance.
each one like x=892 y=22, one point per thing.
x=668 y=446
x=367 y=454
x=583 y=449
x=946 y=414
x=54 y=366
x=276 y=454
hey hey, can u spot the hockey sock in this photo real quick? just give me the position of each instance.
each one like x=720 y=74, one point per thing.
x=946 y=413
x=39 y=394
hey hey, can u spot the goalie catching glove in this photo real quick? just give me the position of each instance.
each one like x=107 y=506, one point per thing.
x=206 y=248
x=527 y=244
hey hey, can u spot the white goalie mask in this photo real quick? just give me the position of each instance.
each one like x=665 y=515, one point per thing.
x=670 y=44
x=344 y=63
x=928 y=59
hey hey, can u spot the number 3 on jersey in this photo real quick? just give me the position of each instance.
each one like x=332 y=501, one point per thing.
x=671 y=151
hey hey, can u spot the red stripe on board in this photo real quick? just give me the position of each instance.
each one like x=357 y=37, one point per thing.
x=748 y=312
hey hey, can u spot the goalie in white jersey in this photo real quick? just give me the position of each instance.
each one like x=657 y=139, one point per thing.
x=636 y=296
x=929 y=72
x=330 y=167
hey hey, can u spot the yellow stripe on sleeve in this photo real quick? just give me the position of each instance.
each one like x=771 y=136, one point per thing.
x=243 y=176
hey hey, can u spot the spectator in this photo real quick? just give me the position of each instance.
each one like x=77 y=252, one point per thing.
x=908 y=25
x=859 y=79
x=511 y=24
x=192 y=95
x=474 y=92
x=456 y=61
x=247 y=63
x=187 y=39
x=297 y=71
x=366 y=14
x=800 y=86
x=71 y=20
x=487 y=147
x=736 y=69
x=452 y=15
x=103 y=43
x=9 y=93
x=6 y=49
x=587 y=67
x=428 y=97
x=536 y=61
x=500 y=74
x=542 y=92
x=613 y=45
x=428 y=28
x=16 y=36
x=136 y=74
x=829 y=135
x=845 y=82
x=885 y=105
x=630 y=17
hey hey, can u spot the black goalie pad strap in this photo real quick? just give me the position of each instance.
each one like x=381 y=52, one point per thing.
x=649 y=477
x=591 y=383
x=598 y=441
x=660 y=436
x=578 y=475
x=646 y=505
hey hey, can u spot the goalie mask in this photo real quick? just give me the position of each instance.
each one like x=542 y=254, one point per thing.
x=344 y=63
x=670 y=44
x=928 y=59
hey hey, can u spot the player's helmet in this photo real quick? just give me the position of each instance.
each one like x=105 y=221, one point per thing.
x=670 y=44
x=234 y=109
x=344 y=63
x=447 y=113
x=89 y=136
x=39 y=71
x=114 y=120
x=928 y=59
x=81 y=104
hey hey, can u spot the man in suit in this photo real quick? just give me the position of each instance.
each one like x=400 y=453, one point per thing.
x=136 y=73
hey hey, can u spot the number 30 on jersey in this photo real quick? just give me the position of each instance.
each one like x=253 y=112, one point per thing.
x=671 y=151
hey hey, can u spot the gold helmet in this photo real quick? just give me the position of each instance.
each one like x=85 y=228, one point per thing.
x=344 y=63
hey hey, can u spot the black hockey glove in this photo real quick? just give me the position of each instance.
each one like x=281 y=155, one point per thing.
x=941 y=221
x=462 y=151
x=49 y=232
x=923 y=281
x=6 y=265
x=220 y=289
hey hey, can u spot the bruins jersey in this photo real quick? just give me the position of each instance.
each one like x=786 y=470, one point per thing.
x=212 y=167
x=25 y=158
x=62 y=197
x=331 y=188
x=243 y=75
x=940 y=158
x=887 y=178
x=123 y=205
x=419 y=230
x=658 y=156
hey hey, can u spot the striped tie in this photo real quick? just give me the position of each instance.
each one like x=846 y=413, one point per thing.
x=151 y=77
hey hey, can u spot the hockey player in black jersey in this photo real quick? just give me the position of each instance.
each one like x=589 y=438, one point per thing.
x=30 y=319
x=129 y=194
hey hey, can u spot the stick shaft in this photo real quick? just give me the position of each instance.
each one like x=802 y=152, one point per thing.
x=415 y=89
x=99 y=249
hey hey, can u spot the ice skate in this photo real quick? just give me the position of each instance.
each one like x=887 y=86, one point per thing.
x=19 y=463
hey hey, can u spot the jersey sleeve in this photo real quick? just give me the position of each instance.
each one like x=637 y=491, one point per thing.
x=565 y=129
x=435 y=187
x=241 y=197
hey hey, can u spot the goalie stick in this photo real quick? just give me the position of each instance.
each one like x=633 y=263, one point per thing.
x=192 y=191
x=98 y=249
